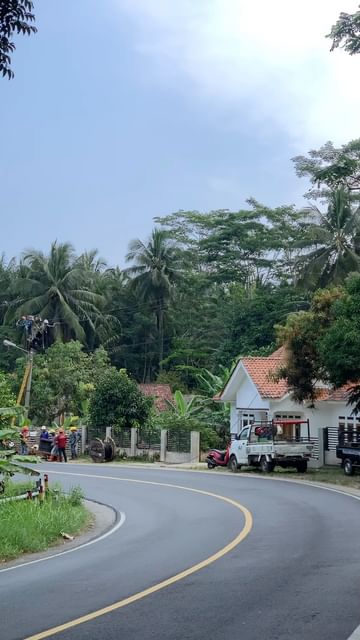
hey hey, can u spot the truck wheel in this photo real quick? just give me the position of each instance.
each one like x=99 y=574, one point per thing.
x=265 y=466
x=301 y=467
x=233 y=464
x=348 y=467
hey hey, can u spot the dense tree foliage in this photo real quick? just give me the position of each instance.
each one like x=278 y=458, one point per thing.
x=336 y=242
x=118 y=402
x=330 y=168
x=323 y=344
x=346 y=33
x=16 y=17
x=63 y=380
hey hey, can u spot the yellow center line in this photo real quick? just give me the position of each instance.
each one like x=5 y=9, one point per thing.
x=164 y=583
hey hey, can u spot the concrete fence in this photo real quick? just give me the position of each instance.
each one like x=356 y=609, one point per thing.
x=137 y=443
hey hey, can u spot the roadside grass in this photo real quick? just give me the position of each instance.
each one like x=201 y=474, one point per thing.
x=27 y=526
x=17 y=488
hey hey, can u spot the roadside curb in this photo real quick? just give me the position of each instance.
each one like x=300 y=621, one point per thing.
x=105 y=519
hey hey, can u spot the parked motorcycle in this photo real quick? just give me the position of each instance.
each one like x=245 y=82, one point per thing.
x=218 y=458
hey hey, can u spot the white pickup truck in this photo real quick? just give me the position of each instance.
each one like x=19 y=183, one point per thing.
x=267 y=444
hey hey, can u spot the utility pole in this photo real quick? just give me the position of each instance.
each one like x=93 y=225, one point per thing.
x=28 y=383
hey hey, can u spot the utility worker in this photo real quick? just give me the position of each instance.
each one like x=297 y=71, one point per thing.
x=61 y=440
x=24 y=437
x=74 y=438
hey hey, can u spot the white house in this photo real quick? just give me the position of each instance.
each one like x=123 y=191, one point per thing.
x=254 y=396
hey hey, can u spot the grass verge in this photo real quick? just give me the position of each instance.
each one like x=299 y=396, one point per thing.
x=29 y=526
x=17 y=488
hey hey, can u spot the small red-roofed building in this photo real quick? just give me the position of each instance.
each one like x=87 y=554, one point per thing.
x=159 y=392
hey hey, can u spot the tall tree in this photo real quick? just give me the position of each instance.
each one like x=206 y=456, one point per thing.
x=156 y=269
x=334 y=243
x=16 y=16
x=345 y=33
x=330 y=168
x=55 y=287
x=322 y=344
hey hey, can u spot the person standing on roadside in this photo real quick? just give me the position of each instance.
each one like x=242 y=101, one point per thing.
x=74 y=438
x=24 y=438
x=61 y=440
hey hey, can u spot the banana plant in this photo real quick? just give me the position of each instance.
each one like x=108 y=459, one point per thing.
x=185 y=408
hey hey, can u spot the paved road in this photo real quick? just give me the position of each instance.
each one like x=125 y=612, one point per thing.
x=296 y=575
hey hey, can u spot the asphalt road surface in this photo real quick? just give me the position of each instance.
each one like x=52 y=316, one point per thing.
x=295 y=574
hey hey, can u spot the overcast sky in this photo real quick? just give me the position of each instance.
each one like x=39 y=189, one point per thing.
x=122 y=110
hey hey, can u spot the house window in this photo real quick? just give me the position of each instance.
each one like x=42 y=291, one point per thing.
x=246 y=418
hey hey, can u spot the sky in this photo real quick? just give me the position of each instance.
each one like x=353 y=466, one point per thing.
x=122 y=110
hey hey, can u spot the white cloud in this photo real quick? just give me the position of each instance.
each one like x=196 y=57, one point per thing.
x=269 y=60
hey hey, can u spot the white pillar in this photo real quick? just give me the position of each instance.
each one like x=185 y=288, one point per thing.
x=133 y=442
x=163 y=442
x=108 y=432
x=83 y=438
x=195 y=446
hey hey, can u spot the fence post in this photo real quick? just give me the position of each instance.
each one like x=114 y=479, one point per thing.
x=163 y=442
x=195 y=446
x=108 y=432
x=321 y=436
x=133 y=442
x=83 y=438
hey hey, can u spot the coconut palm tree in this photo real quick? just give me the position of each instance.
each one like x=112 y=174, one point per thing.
x=334 y=242
x=55 y=287
x=156 y=269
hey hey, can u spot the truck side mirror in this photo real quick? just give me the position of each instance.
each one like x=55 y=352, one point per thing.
x=237 y=437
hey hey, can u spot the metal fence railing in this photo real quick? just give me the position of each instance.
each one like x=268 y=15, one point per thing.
x=95 y=432
x=122 y=437
x=178 y=441
x=148 y=439
x=315 y=451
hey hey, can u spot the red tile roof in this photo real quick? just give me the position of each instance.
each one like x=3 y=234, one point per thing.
x=261 y=370
x=160 y=393
x=339 y=395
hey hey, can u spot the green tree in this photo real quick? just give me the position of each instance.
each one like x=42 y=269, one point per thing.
x=330 y=168
x=157 y=267
x=339 y=346
x=118 y=402
x=63 y=380
x=334 y=243
x=301 y=336
x=16 y=16
x=7 y=396
x=345 y=33
x=322 y=344
x=55 y=287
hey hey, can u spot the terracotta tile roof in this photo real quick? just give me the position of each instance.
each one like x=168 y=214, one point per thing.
x=279 y=353
x=260 y=370
x=160 y=393
x=339 y=395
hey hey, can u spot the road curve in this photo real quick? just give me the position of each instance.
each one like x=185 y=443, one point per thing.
x=294 y=575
